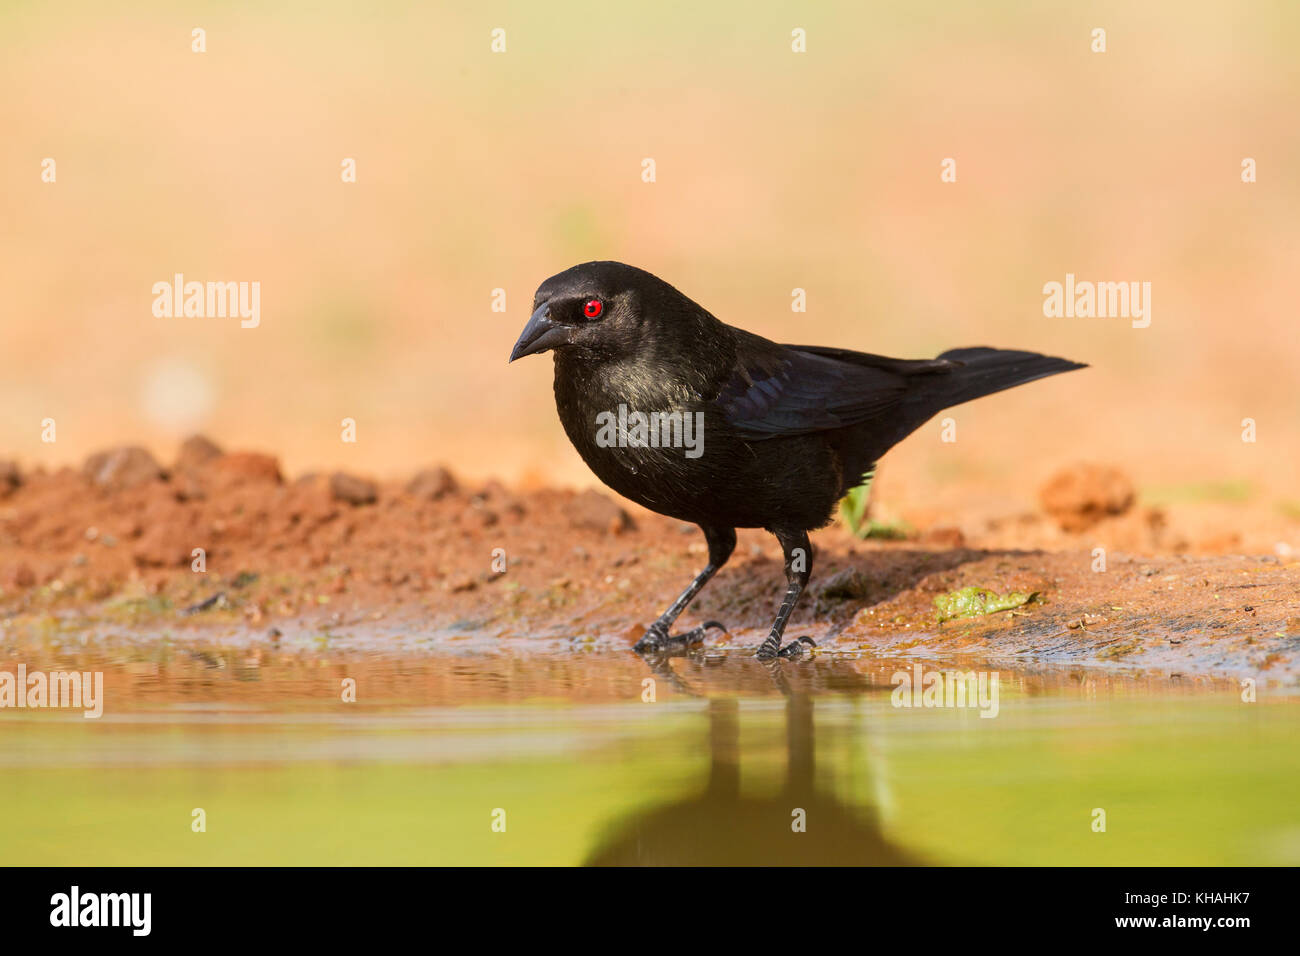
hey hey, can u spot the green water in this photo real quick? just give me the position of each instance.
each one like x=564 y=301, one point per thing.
x=711 y=773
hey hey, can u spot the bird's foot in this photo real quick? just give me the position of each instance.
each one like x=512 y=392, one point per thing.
x=771 y=648
x=657 y=640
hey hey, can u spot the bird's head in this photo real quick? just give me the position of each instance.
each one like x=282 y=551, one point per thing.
x=597 y=308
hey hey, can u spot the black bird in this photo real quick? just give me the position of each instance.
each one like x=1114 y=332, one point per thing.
x=748 y=433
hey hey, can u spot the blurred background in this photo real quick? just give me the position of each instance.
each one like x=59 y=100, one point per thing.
x=774 y=170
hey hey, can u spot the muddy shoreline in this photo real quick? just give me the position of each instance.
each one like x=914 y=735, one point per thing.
x=219 y=548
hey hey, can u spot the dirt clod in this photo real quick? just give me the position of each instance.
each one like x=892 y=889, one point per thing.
x=849 y=584
x=432 y=484
x=353 y=490
x=120 y=468
x=593 y=511
x=246 y=467
x=1083 y=494
x=10 y=477
x=196 y=452
x=19 y=576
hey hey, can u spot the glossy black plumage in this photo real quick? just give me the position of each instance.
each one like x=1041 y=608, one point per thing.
x=787 y=430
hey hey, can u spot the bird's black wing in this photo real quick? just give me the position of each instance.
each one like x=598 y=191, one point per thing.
x=905 y=367
x=798 y=390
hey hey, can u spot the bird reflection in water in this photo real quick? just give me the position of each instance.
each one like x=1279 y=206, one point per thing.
x=723 y=826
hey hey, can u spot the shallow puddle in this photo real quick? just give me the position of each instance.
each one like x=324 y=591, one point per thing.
x=600 y=757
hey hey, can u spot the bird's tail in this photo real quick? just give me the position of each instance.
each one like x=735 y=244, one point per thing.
x=983 y=371
x=969 y=374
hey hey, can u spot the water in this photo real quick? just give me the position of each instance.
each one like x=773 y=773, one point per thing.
x=574 y=758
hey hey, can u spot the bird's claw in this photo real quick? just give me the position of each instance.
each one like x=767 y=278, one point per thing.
x=771 y=650
x=657 y=640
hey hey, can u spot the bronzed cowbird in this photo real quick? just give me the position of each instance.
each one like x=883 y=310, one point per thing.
x=717 y=426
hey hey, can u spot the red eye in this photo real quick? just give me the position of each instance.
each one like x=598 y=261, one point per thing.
x=592 y=308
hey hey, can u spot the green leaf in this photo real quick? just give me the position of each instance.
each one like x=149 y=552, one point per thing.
x=853 y=507
x=973 y=602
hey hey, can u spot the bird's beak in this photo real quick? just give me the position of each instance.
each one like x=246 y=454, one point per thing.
x=539 y=334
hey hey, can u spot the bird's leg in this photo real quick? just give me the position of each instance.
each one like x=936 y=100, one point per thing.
x=658 y=639
x=721 y=541
x=798 y=568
